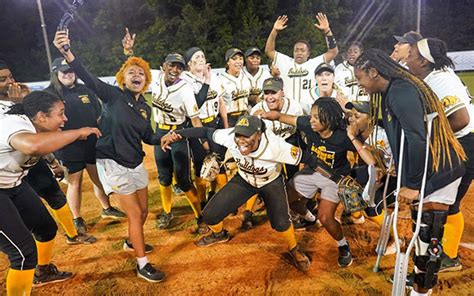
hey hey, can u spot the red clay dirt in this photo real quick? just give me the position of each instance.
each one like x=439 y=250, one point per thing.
x=252 y=263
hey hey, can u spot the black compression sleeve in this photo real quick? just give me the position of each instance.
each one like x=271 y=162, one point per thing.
x=197 y=132
x=202 y=95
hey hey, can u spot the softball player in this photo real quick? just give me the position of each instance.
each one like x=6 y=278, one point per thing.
x=344 y=74
x=401 y=49
x=234 y=85
x=297 y=72
x=30 y=129
x=428 y=61
x=324 y=87
x=256 y=74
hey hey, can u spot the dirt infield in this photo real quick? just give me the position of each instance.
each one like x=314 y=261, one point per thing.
x=252 y=263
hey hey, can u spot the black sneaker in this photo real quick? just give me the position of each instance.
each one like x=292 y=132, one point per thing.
x=213 y=238
x=164 y=220
x=81 y=239
x=302 y=224
x=177 y=190
x=48 y=274
x=80 y=225
x=113 y=213
x=448 y=264
x=247 y=221
x=149 y=273
x=345 y=256
x=300 y=260
x=201 y=226
x=127 y=246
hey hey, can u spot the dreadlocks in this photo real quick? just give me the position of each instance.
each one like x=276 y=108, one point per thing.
x=443 y=136
x=330 y=113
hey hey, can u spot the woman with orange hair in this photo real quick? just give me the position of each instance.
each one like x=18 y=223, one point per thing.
x=125 y=123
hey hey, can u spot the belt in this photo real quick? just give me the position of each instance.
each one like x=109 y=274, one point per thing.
x=208 y=119
x=236 y=113
x=167 y=127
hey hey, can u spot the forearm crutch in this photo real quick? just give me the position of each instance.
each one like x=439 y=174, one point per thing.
x=401 y=263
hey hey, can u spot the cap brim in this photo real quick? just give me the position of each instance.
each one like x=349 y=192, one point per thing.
x=252 y=52
x=62 y=68
x=401 y=39
x=177 y=61
x=243 y=132
x=324 y=69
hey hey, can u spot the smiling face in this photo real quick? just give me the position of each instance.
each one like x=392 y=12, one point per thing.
x=134 y=78
x=300 y=53
x=353 y=53
x=197 y=62
x=54 y=120
x=235 y=64
x=274 y=100
x=367 y=80
x=247 y=145
x=253 y=62
x=172 y=72
x=360 y=120
x=325 y=80
x=67 y=78
x=416 y=62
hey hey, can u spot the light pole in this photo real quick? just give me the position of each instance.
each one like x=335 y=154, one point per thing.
x=418 y=17
x=45 y=34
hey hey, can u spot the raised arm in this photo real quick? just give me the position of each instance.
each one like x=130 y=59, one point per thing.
x=323 y=26
x=279 y=25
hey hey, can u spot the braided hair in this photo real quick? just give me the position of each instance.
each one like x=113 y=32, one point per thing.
x=443 y=136
x=330 y=113
x=34 y=102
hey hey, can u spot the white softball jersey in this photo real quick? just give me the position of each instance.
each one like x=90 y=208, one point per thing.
x=309 y=96
x=235 y=91
x=256 y=82
x=211 y=105
x=344 y=77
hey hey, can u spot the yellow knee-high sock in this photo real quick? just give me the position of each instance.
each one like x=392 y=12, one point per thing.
x=250 y=203
x=19 y=282
x=453 y=230
x=64 y=217
x=289 y=236
x=377 y=219
x=165 y=192
x=221 y=180
x=201 y=185
x=45 y=251
x=193 y=200
x=216 y=228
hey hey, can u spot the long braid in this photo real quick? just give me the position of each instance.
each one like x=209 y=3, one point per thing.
x=443 y=136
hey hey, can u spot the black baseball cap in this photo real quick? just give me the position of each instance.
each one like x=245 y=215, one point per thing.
x=232 y=52
x=175 y=58
x=252 y=50
x=323 y=67
x=248 y=125
x=273 y=83
x=411 y=38
x=190 y=52
x=361 y=106
x=60 y=64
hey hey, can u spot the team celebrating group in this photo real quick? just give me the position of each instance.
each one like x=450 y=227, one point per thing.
x=294 y=132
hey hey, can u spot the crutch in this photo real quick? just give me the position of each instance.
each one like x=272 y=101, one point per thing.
x=385 y=228
x=401 y=263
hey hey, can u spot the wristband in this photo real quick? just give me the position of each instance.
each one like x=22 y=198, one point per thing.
x=353 y=139
x=331 y=42
x=128 y=52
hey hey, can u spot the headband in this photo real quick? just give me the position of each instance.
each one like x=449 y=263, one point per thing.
x=424 y=50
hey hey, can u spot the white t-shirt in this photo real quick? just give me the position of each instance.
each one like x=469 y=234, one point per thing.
x=256 y=82
x=235 y=91
x=172 y=104
x=309 y=96
x=453 y=95
x=263 y=165
x=14 y=164
x=297 y=77
x=283 y=130
x=344 y=77
x=211 y=105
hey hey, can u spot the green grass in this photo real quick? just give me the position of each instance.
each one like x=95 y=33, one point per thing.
x=468 y=79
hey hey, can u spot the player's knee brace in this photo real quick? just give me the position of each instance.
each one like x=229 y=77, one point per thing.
x=428 y=249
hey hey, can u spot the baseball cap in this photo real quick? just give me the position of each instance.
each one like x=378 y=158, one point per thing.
x=273 y=83
x=60 y=64
x=190 y=52
x=175 y=58
x=411 y=38
x=232 y=52
x=323 y=67
x=248 y=125
x=252 y=50
x=361 y=106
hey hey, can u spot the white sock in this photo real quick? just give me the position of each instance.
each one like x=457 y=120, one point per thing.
x=309 y=216
x=142 y=261
x=342 y=242
x=415 y=293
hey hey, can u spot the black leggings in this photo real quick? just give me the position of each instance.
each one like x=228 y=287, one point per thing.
x=175 y=160
x=42 y=181
x=23 y=213
x=237 y=191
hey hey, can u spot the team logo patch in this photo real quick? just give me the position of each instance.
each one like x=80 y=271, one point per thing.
x=294 y=152
x=195 y=108
x=449 y=101
x=144 y=114
x=243 y=122
x=85 y=99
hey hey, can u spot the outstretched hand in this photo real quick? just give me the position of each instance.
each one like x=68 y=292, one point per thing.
x=169 y=139
x=128 y=41
x=323 y=23
x=280 y=23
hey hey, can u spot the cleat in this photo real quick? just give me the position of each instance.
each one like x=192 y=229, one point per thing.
x=164 y=220
x=448 y=264
x=85 y=239
x=213 y=238
x=345 y=256
x=299 y=259
x=49 y=274
x=177 y=190
x=112 y=213
x=247 y=221
x=127 y=246
x=150 y=273
x=80 y=225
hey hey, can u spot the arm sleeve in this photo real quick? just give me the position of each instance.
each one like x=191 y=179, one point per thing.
x=103 y=90
x=408 y=109
x=197 y=132
x=201 y=96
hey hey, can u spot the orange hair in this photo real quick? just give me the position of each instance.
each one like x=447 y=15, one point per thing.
x=134 y=61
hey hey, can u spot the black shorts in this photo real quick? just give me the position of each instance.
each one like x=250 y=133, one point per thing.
x=76 y=166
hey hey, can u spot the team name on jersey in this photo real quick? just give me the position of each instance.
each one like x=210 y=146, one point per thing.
x=211 y=94
x=161 y=104
x=349 y=81
x=239 y=94
x=250 y=168
x=297 y=72
x=324 y=155
x=282 y=130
